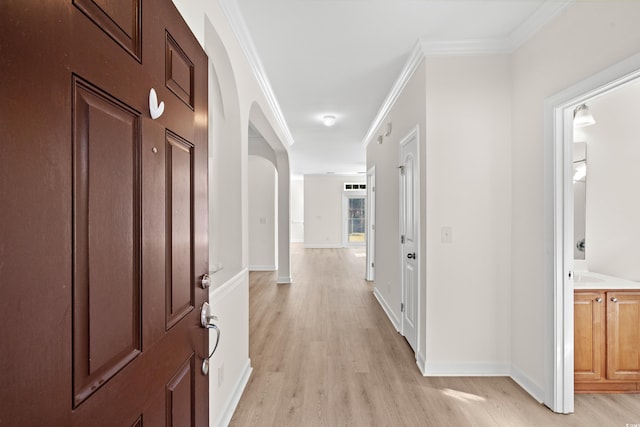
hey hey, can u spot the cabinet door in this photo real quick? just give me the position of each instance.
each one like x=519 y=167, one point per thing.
x=589 y=338
x=623 y=334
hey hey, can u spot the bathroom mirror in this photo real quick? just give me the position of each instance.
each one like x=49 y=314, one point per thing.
x=579 y=199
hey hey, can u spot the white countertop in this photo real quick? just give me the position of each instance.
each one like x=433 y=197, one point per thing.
x=589 y=280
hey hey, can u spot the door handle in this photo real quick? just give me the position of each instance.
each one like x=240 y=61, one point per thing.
x=206 y=321
x=206 y=318
x=411 y=255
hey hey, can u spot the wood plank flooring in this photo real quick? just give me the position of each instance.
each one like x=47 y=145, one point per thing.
x=325 y=354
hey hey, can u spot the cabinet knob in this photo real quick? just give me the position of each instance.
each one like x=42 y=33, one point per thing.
x=598 y=300
x=614 y=299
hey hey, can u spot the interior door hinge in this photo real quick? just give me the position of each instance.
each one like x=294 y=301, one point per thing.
x=402 y=239
x=373 y=264
x=402 y=307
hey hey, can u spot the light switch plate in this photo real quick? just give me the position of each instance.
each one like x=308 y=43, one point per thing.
x=446 y=234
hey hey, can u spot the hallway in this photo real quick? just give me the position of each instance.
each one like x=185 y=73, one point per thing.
x=324 y=353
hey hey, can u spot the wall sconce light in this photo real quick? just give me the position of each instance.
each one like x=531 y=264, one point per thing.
x=329 y=120
x=379 y=139
x=582 y=116
x=388 y=132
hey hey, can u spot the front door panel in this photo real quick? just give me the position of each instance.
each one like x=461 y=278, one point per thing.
x=180 y=292
x=180 y=398
x=121 y=20
x=106 y=197
x=104 y=211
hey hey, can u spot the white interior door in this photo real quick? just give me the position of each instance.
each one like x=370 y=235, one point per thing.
x=409 y=237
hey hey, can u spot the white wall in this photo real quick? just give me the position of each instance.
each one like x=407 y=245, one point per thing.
x=468 y=188
x=323 y=209
x=613 y=174
x=584 y=39
x=230 y=367
x=297 y=209
x=263 y=185
x=462 y=107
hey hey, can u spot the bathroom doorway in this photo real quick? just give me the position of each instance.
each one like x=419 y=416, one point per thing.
x=560 y=199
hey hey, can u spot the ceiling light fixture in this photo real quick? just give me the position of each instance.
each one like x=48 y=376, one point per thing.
x=582 y=116
x=329 y=120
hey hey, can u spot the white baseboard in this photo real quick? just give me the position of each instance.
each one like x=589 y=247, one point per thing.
x=284 y=280
x=466 y=369
x=387 y=309
x=422 y=364
x=481 y=370
x=262 y=268
x=527 y=384
x=227 y=414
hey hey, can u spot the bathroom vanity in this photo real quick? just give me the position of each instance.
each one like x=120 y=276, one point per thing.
x=607 y=334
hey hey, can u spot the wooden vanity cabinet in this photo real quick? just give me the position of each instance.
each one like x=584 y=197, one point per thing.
x=606 y=341
x=589 y=336
x=623 y=336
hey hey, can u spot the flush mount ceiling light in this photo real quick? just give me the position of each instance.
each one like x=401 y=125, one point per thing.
x=582 y=116
x=329 y=120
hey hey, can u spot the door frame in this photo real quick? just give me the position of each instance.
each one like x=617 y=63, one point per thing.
x=414 y=133
x=360 y=194
x=371 y=228
x=558 y=227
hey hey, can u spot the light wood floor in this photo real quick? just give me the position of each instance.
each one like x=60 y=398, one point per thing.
x=325 y=354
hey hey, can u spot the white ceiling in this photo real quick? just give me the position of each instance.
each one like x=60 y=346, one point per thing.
x=342 y=57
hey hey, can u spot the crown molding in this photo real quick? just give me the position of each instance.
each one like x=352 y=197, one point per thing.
x=239 y=27
x=410 y=67
x=545 y=13
x=507 y=45
x=520 y=35
x=466 y=47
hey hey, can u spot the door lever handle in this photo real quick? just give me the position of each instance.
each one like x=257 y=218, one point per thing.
x=206 y=318
x=411 y=255
x=206 y=321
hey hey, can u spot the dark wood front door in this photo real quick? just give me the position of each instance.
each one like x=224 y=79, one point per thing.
x=103 y=215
